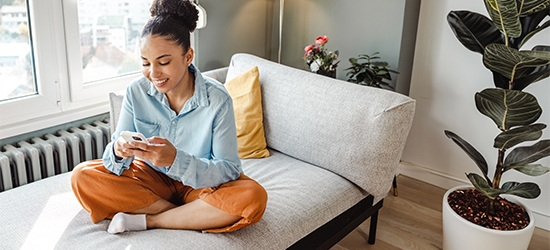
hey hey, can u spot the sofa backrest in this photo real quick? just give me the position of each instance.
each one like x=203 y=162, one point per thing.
x=355 y=131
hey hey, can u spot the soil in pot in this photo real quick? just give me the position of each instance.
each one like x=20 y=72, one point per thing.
x=475 y=207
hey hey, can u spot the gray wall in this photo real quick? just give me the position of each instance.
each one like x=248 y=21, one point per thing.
x=354 y=27
x=233 y=26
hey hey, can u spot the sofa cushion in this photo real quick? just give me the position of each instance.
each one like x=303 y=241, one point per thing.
x=46 y=215
x=317 y=119
x=217 y=74
x=244 y=90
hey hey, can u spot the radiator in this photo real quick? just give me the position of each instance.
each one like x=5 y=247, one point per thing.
x=51 y=154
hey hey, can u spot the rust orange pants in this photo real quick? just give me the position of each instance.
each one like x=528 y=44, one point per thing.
x=103 y=194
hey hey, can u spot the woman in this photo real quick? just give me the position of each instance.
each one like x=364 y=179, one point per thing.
x=188 y=175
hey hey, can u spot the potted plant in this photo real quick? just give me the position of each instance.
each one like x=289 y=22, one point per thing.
x=367 y=70
x=515 y=112
x=320 y=60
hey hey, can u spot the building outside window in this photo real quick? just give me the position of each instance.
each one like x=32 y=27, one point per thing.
x=16 y=71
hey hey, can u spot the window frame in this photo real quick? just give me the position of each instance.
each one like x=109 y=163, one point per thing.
x=47 y=100
x=62 y=95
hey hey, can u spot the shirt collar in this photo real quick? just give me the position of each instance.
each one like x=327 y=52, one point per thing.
x=199 y=98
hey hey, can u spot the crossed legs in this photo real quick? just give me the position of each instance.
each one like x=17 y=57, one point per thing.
x=146 y=199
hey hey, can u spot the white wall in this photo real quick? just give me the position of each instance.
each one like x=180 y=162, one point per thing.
x=444 y=79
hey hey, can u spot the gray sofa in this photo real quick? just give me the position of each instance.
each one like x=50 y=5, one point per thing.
x=335 y=148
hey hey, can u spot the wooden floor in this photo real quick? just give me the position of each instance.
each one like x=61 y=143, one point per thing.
x=412 y=220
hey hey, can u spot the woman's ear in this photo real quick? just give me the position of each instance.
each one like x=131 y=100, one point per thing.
x=189 y=56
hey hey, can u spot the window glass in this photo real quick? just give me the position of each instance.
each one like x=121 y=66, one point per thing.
x=16 y=62
x=109 y=37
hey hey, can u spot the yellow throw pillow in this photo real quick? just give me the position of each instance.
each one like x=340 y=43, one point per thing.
x=245 y=92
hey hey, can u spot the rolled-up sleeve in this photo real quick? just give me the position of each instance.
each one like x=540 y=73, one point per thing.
x=113 y=163
x=125 y=122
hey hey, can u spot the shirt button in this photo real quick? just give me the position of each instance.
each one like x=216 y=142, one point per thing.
x=174 y=122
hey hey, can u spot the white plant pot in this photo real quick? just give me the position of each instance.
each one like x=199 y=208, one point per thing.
x=461 y=234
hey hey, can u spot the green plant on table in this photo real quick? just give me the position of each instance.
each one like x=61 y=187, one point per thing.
x=368 y=70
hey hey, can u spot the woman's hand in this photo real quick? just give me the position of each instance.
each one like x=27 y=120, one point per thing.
x=123 y=149
x=159 y=151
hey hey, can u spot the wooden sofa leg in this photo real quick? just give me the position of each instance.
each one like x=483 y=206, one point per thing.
x=372 y=230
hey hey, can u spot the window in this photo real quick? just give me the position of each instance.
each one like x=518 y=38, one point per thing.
x=59 y=59
x=16 y=66
x=103 y=46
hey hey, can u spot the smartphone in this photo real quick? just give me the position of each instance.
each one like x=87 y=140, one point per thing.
x=133 y=136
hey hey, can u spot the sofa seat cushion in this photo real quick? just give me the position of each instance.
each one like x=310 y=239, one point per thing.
x=302 y=197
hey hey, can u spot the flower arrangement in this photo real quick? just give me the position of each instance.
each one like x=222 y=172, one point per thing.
x=319 y=59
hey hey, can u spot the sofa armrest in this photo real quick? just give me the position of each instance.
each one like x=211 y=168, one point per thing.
x=115 y=104
x=217 y=74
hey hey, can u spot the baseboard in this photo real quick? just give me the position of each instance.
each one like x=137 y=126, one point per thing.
x=446 y=181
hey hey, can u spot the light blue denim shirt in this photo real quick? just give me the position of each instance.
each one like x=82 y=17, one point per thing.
x=203 y=132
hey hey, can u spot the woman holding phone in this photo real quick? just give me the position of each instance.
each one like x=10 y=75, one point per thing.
x=187 y=175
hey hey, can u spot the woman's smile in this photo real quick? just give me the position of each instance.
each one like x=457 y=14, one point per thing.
x=160 y=83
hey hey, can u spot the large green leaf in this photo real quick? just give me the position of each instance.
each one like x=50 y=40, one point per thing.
x=512 y=137
x=537 y=74
x=483 y=186
x=530 y=169
x=528 y=7
x=505 y=16
x=533 y=32
x=508 y=108
x=513 y=63
x=525 y=155
x=473 y=30
x=529 y=24
x=526 y=190
x=509 y=185
x=470 y=151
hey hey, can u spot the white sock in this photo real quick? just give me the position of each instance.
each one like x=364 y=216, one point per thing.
x=127 y=222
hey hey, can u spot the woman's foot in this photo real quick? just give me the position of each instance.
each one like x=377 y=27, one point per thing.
x=122 y=222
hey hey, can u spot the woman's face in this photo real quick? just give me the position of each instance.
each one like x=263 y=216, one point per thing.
x=165 y=64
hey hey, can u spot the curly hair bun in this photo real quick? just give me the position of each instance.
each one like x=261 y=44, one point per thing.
x=183 y=10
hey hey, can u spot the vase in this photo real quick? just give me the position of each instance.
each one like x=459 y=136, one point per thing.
x=329 y=73
x=460 y=234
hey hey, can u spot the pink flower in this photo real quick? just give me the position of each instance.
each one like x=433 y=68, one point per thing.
x=308 y=48
x=316 y=48
x=321 y=40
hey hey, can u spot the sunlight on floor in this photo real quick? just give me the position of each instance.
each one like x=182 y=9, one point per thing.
x=52 y=222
